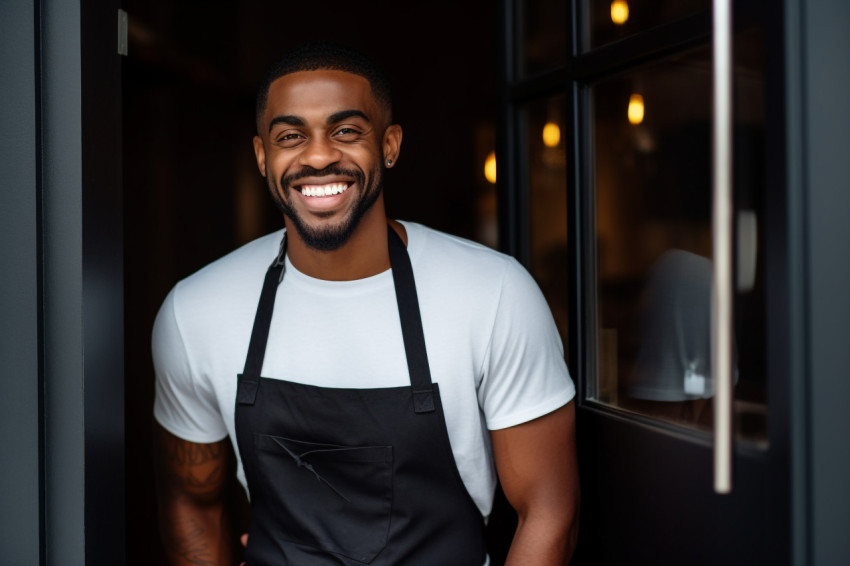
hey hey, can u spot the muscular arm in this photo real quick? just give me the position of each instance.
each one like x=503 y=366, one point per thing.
x=537 y=467
x=191 y=481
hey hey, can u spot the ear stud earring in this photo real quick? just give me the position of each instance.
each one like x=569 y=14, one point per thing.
x=389 y=162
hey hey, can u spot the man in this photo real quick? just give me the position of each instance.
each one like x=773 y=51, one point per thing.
x=371 y=374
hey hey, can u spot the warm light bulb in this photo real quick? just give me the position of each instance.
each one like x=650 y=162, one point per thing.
x=490 y=167
x=636 y=109
x=619 y=12
x=551 y=134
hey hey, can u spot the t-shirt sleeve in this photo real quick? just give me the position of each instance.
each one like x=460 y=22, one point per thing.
x=525 y=374
x=183 y=404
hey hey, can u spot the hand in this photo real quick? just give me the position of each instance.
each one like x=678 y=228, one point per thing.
x=244 y=540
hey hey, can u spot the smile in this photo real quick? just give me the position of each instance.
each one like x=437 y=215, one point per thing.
x=323 y=190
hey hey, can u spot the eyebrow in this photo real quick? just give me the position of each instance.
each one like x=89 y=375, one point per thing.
x=346 y=114
x=288 y=120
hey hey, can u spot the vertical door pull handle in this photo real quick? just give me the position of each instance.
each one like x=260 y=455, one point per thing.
x=722 y=237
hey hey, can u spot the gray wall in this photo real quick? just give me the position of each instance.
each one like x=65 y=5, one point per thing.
x=19 y=299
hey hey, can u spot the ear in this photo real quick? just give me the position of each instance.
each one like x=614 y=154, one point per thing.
x=392 y=144
x=260 y=154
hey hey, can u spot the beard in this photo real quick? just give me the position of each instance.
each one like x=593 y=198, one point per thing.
x=331 y=236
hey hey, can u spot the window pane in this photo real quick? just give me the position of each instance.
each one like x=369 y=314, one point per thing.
x=609 y=20
x=653 y=239
x=543 y=36
x=547 y=184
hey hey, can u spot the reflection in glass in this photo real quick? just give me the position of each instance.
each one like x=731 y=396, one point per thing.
x=653 y=240
x=619 y=12
x=635 y=109
x=608 y=21
x=543 y=36
x=490 y=167
x=547 y=188
x=486 y=199
x=673 y=361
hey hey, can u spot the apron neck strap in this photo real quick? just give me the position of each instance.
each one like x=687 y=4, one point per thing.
x=249 y=379
x=408 y=310
x=411 y=324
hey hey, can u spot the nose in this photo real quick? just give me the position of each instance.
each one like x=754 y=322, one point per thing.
x=319 y=152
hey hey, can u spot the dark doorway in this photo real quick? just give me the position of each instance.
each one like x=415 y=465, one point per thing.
x=192 y=191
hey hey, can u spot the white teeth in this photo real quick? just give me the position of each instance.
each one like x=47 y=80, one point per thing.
x=323 y=190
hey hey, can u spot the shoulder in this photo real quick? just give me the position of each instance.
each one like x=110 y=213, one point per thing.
x=208 y=311
x=458 y=263
x=236 y=272
x=220 y=298
x=455 y=256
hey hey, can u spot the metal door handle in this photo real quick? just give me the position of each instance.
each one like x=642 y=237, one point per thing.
x=722 y=235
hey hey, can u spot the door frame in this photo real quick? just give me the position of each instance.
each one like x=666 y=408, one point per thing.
x=63 y=493
x=818 y=142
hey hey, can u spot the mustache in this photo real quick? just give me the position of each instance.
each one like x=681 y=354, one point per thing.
x=307 y=171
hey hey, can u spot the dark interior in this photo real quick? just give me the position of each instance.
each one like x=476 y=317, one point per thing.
x=192 y=191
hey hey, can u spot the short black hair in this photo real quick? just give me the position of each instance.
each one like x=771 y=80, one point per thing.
x=317 y=55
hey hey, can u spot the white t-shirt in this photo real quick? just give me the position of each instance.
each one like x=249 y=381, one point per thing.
x=491 y=342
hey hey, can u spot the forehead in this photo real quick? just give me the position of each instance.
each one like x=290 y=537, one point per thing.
x=318 y=94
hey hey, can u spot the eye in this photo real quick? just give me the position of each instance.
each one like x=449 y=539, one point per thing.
x=347 y=133
x=289 y=138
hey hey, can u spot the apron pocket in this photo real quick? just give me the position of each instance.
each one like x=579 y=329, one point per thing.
x=336 y=498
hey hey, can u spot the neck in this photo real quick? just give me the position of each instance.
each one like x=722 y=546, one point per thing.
x=364 y=254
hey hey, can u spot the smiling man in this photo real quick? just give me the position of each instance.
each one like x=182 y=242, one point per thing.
x=317 y=181
x=375 y=377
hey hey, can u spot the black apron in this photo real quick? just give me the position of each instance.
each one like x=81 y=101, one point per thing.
x=352 y=476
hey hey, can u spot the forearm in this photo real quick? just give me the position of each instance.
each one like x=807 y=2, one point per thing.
x=543 y=541
x=191 y=481
x=195 y=534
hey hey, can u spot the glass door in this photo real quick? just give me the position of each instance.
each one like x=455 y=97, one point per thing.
x=613 y=216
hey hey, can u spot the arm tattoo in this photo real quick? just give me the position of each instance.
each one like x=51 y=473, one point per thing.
x=197 y=466
x=192 y=454
x=189 y=542
x=192 y=482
